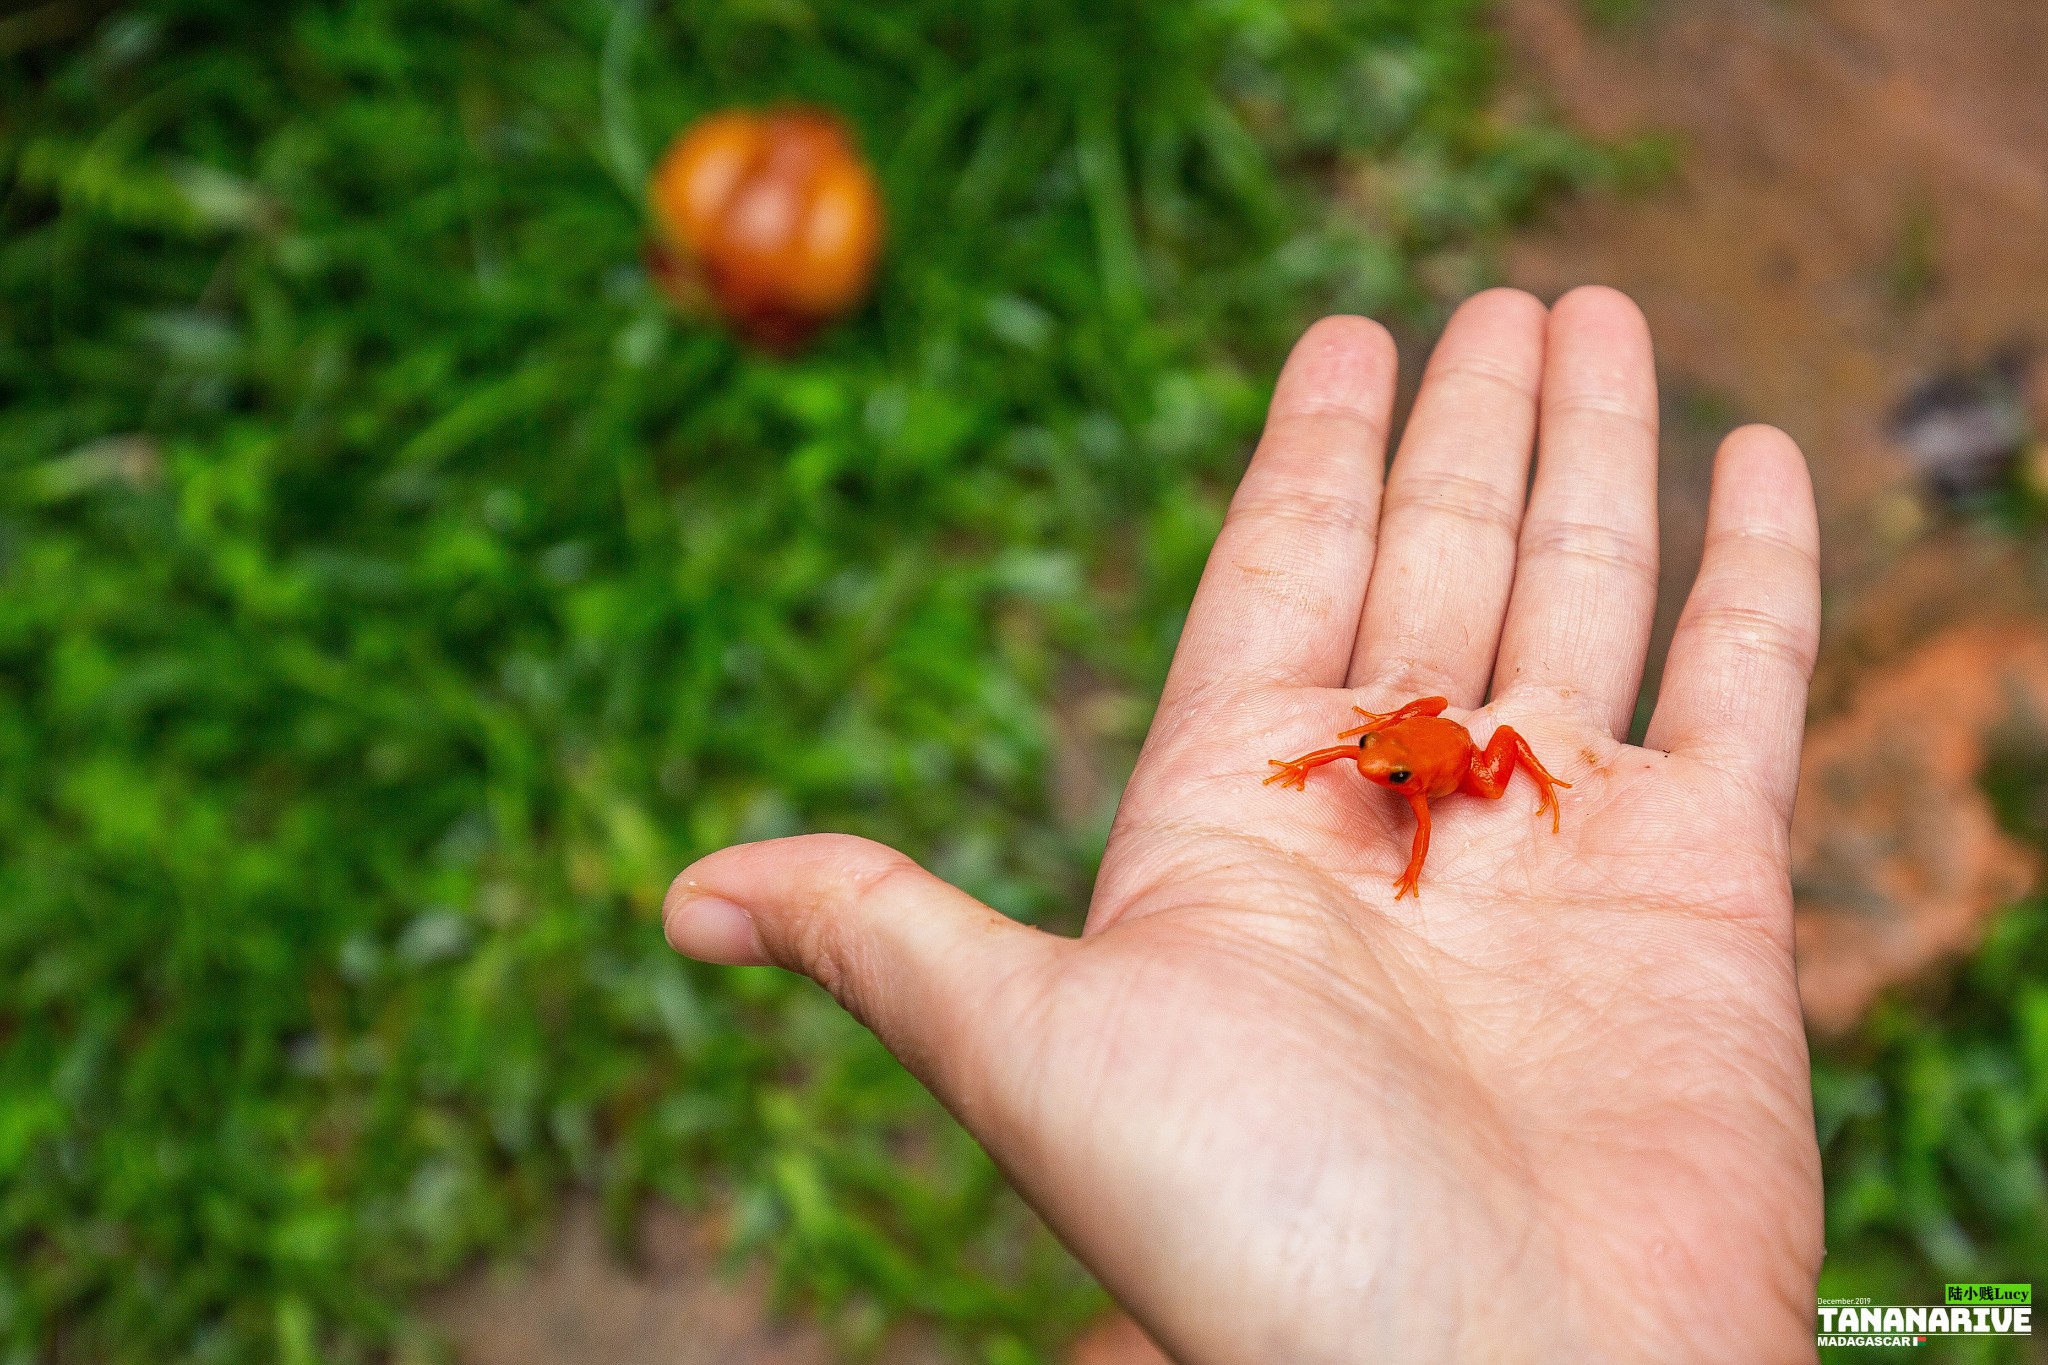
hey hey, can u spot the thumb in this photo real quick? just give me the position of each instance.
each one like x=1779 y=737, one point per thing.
x=923 y=964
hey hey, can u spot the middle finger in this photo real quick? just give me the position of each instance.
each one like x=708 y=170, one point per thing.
x=1453 y=507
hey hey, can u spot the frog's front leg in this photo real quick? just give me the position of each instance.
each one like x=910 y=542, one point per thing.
x=1294 y=771
x=1404 y=885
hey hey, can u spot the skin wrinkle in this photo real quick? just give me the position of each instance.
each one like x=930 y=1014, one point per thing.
x=1284 y=587
x=1125 y=990
x=1185 y=698
x=1599 y=546
x=1556 y=1000
x=1191 y=835
x=1685 y=1117
x=1456 y=410
x=1683 y=1241
x=1418 y=1013
x=1737 y=766
x=1259 y=955
x=1281 y=591
x=838 y=958
x=1769 y=538
x=967 y=1090
x=1731 y=627
x=1508 y=1153
x=1314 y=508
x=1481 y=1305
x=1324 y=888
x=1037 y=1089
x=1319 y=417
x=1475 y=372
x=1440 y=493
x=1594 y=410
x=1412 y=678
x=1420 y=630
x=1280 y=581
x=1379 y=813
x=1038 y=1086
x=1416 y=953
x=1737 y=711
x=1561 y=697
x=1579 y=623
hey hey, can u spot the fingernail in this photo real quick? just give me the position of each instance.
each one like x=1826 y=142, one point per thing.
x=712 y=929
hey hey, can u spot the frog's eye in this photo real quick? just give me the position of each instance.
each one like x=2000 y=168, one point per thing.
x=1398 y=776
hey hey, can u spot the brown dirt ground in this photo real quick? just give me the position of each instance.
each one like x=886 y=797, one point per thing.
x=577 y=1301
x=671 y=1301
x=1898 y=849
x=1860 y=199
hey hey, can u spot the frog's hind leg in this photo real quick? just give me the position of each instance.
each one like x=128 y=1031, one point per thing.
x=1380 y=720
x=1493 y=766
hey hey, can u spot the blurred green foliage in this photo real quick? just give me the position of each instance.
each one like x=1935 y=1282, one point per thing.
x=394 y=593
x=1934 y=1127
x=1934 y=1119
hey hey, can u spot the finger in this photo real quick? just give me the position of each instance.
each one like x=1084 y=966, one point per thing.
x=922 y=964
x=1585 y=594
x=1454 y=500
x=1279 y=599
x=1734 y=690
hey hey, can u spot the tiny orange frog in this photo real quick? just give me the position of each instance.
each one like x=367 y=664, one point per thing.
x=1416 y=752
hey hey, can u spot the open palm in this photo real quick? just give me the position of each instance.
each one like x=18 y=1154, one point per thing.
x=1557 y=1104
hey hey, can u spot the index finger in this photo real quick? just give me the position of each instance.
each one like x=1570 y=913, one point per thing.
x=1734 y=689
x=1280 y=597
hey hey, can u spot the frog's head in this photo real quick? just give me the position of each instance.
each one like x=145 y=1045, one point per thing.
x=1384 y=758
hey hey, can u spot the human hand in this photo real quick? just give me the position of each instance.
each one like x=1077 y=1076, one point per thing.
x=1557 y=1106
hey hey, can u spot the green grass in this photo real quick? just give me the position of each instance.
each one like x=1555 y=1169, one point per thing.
x=1934 y=1126
x=1934 y=1119
x=394 y=594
